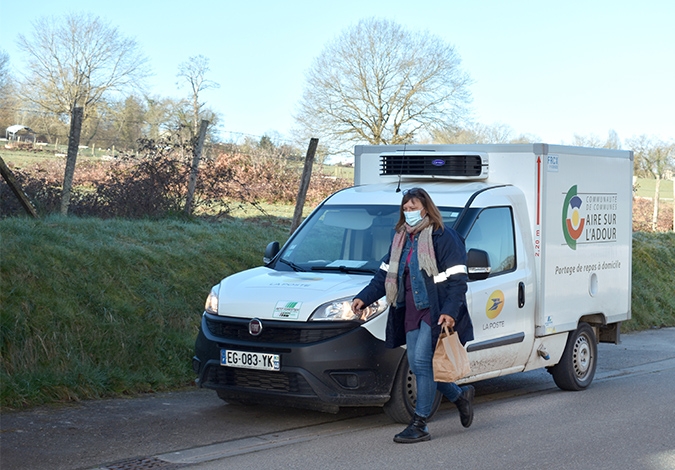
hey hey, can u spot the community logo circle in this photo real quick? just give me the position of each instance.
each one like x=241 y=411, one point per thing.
x=494 y=304
x=572 y=220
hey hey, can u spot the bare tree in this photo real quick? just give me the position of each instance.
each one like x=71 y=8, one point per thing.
x=7 y=94
x=158 y=115
x=121 y=123
x=653 y=159
x=379 y=83
x=194 y=71
x=4 y=72
x=477 y=134
x=73 y=63
x=592 y=140
x=77 y=60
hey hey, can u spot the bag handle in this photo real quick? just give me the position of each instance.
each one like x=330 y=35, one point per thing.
x=448 y=332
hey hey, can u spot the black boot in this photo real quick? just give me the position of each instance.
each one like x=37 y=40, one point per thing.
x=416 y=431
x=465 y=405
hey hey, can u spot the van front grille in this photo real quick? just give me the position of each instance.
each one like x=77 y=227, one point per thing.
x=227 y=328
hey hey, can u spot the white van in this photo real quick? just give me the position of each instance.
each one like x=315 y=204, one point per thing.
x=548 y=232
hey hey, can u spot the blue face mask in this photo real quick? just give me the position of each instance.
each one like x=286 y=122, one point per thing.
x=413 y=218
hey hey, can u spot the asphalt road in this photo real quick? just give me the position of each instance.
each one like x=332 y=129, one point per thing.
x=626 y=419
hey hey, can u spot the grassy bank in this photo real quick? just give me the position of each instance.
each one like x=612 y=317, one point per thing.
x=92 y=308
x=653 y=281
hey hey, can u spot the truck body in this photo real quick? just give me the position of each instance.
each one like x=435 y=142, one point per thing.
x=548 y=232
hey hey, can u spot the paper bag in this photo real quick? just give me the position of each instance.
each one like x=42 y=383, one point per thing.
x=451 y=361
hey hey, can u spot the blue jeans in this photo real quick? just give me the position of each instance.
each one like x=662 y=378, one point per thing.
x=420 y=358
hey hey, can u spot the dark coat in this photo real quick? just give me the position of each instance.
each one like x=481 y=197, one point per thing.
x=445 y=297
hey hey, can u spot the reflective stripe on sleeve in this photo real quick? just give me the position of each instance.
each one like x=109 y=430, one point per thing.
x=457 y=269
x=384 y=267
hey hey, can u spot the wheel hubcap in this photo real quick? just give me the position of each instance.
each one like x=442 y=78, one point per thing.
x=582 y=357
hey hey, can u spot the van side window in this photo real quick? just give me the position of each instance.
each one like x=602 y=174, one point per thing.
x=493 y=232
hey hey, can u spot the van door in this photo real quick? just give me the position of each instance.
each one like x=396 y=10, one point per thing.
x=502 y=315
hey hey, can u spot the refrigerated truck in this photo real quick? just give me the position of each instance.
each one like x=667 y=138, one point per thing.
x=548 y=233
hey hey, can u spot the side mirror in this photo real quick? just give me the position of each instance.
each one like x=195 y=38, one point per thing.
x=270 y=252
x=478 y=264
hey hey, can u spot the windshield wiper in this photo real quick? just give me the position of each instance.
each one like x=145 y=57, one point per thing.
x=292 y=265
x=344 y=269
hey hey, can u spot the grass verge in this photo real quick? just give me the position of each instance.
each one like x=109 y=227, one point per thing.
x=653 y=302
x=91 y=308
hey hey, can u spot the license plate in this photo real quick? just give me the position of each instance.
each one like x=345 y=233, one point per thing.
x=249 y=360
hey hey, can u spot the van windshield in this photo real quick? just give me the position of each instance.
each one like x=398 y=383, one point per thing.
x=346 y=238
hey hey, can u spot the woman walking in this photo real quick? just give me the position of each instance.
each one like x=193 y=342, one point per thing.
x=424 y=278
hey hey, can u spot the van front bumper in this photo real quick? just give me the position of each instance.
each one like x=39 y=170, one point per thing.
x=324 y=365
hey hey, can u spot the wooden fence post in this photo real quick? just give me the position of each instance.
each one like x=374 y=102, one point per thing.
x=196 y=157
x=16 y=188
x=304 y=183
x=73 y=144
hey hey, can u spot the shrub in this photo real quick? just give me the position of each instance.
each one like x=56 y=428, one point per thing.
x=154 y=183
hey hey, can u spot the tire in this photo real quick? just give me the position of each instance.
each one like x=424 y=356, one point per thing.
x=401 y=406
x=576 y=368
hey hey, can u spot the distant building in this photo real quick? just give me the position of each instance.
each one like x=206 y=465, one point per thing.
x=20 y=133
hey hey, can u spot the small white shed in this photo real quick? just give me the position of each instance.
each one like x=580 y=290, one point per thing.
x=20 y=133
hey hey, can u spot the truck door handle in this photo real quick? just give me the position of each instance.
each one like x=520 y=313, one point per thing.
x=521 y=295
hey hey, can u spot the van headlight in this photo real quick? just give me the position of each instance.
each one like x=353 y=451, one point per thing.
x=341 y=309
x=211 y=305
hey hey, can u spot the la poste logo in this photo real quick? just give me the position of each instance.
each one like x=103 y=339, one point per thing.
x=494 y=304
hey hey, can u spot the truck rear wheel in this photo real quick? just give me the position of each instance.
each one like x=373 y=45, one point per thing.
x=576 y=368
x=401 y=405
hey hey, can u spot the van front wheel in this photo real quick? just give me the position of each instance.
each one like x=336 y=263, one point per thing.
x=576 y=368
x=401 y=405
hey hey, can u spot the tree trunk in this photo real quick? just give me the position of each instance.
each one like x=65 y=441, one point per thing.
x=73 y=144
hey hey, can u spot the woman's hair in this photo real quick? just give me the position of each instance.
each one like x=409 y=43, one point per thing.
x=432 y=211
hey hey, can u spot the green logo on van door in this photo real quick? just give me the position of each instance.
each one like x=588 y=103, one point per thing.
x=572 y=220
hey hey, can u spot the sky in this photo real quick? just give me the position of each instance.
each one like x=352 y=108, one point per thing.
x=550 y=70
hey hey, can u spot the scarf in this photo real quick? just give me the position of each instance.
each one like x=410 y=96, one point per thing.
x=426 y=258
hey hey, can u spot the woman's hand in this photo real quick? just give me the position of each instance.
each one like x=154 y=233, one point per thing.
x=446 y=320
x=357 y=306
